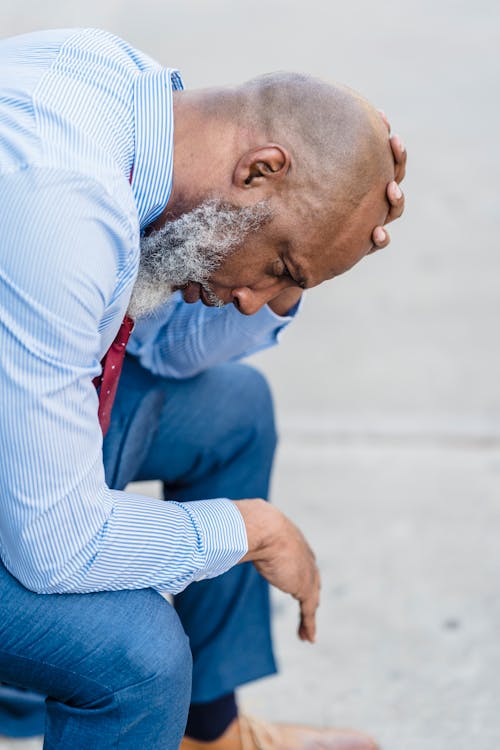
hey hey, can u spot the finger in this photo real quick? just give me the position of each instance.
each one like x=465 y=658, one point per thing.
x=380 y=238
x=394 y=193
x=395 y=212
x=307 y=626
x=384 y=118
x=397 y=147
x=308 y=608
x=400 y=156
x=396 y=199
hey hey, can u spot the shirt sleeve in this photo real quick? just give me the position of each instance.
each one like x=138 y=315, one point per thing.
x=66 y=254
x=181 y=340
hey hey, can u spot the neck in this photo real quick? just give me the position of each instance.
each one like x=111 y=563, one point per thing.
x=207 y=143
x=201 y=149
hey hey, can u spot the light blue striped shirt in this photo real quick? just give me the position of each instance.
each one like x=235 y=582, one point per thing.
x=79 y=109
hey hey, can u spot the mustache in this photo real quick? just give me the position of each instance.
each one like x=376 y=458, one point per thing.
x=211 y=297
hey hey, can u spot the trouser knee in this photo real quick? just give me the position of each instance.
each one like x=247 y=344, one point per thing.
x=133 y=680
x=252 y=405
x=161 y=668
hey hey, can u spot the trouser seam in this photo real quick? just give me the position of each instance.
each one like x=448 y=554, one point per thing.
x=111 y=691
x=43 y=662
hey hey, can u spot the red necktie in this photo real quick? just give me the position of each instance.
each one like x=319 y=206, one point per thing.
x=107 y=381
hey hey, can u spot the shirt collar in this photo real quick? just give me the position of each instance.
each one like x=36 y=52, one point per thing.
x=154 y=141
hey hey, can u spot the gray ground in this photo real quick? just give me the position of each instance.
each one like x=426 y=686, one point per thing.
x=387 y=388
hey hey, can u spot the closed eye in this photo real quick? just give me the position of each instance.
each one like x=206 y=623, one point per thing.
x=283 y=272
x=287 y=275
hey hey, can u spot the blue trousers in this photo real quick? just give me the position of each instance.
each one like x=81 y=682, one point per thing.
x=116 y=667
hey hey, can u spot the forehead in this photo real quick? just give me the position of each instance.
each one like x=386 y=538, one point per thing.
x=319 y=249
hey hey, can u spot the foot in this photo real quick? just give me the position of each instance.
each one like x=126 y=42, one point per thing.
x=246 y=733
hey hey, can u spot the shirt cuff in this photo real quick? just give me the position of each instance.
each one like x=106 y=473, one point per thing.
x=223 y=534
x=274 y=323
x=262 y=329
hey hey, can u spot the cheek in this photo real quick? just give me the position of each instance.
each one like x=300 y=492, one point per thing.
x=251 y=266
x=235 y=271
x=228 y=276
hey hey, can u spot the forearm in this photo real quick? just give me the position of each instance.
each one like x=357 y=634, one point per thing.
x=140 y=542
x=184 y=340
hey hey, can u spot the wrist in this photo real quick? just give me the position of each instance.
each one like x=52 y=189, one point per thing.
x=261 y=523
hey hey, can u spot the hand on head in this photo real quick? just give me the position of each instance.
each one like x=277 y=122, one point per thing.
x=395 y=196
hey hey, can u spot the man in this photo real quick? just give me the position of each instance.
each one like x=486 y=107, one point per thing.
x=262 y=191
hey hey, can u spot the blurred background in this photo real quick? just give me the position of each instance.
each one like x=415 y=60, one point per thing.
x=387 y=387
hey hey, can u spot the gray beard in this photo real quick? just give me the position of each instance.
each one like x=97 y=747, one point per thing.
x=191 y=248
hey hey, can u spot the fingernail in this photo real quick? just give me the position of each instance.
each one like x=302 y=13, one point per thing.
x=398 y=141
x=396 y=191
x=379 y=235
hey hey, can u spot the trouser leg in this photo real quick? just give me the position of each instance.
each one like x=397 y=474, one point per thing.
x=216 y=438
x=116 y=665
x=22 y=712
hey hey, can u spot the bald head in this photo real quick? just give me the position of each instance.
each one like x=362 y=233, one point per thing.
x=337 y=140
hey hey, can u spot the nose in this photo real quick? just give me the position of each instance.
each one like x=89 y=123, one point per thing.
x=249 y=301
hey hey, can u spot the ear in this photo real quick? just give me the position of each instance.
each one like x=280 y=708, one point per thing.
x=262 y=165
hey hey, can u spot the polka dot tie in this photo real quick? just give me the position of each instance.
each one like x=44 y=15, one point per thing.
x=112 y=363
